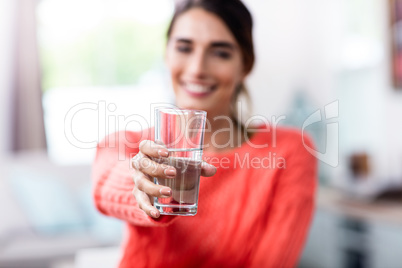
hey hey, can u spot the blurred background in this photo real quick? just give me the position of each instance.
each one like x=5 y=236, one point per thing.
x=73 y=71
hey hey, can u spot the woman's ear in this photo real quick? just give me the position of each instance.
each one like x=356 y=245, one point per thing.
x=243 y=76
x=246 y=71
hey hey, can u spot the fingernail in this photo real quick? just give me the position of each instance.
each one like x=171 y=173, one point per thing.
x=163 y=153
x=165 y=191
x=154 y=214
x=171 y=172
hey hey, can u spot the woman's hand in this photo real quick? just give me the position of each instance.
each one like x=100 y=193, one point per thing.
x=144 y=169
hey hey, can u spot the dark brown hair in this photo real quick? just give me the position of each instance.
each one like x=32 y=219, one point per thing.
x=238 y=19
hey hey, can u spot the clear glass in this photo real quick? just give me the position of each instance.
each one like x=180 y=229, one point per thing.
x=182 y=132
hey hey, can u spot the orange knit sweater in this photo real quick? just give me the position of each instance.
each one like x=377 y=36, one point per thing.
x=254 y=212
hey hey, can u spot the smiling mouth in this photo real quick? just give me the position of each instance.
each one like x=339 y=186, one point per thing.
x=198 y=90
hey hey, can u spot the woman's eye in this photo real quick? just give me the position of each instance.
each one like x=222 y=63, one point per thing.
x=183 y=49
x=222 y=54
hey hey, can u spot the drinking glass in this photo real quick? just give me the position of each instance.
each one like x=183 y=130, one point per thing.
x=182 y=132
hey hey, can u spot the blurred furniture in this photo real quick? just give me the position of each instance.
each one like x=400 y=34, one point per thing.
x=352 y=234
x=359 y=165
x=47 y=213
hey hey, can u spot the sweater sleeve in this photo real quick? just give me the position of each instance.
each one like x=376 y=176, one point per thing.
x=112 y=182
x=291 y=211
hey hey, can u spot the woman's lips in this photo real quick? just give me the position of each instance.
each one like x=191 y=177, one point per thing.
x=198 y=90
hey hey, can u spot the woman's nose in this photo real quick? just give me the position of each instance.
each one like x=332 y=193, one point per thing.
x=197 y=66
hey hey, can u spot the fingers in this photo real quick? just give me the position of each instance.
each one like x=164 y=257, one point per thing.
x=151 y=168
x=145 y=168
x=144 y=192
x=144 y=184
x=144 y=203
x=207 y=170
x=153 y=149
x=151 y=162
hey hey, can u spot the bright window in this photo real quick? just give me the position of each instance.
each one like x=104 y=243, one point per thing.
x=93 y=42
x=107 y=53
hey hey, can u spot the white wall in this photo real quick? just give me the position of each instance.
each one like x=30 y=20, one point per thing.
x=296 y=47
x=372 y=107
x=334 y=50
x=391 y=122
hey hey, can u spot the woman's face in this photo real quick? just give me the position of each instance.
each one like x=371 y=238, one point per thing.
x=205 y=62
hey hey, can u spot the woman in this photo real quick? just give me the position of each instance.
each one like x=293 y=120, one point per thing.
x=256 y=199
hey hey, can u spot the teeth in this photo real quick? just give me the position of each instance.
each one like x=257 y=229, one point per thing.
x=197 y=88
